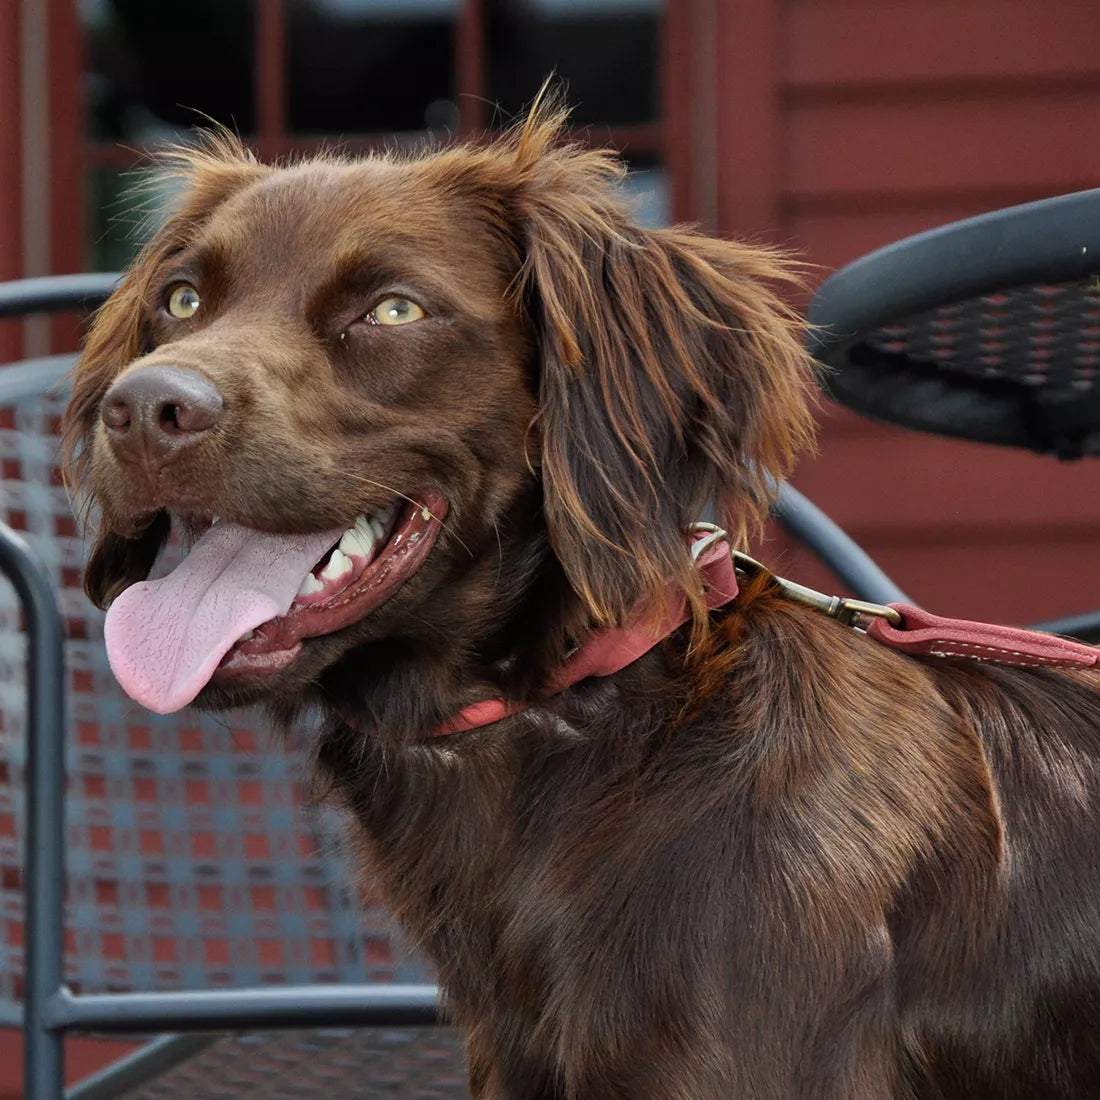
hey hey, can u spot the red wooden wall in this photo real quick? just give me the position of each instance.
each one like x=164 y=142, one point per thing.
x=842 y=125
x=11 y=235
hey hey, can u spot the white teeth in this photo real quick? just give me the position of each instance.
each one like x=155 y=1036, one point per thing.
x=370 y=530
x=358 y=541
x=339 y=566
x=425 y=514
x=310 y=585
x=354 y=544
x=247 y=637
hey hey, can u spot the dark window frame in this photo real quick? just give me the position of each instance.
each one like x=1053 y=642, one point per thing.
x=667 y=140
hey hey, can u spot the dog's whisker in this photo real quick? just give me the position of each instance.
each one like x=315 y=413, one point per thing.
x=411 y=500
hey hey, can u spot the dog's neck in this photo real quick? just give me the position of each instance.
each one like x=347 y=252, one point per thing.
x=610 y=650
x=459 y=648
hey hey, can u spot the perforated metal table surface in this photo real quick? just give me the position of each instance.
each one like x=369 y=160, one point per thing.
x=986 y=329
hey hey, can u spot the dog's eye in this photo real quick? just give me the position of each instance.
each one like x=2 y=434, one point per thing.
x=183 y=302
x=395 y=311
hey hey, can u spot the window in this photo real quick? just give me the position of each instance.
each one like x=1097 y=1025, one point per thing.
x=295 y=74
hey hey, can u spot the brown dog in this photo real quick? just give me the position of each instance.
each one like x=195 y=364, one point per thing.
x=767 y=859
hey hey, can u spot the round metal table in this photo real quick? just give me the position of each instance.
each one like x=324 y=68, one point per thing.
x=985 y=329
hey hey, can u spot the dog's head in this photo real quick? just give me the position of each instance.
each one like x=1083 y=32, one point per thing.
x=474 y=370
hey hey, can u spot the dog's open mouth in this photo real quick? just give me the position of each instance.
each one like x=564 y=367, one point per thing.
x=237 y=609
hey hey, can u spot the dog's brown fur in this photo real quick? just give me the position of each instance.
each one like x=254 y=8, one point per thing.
x=768 y=860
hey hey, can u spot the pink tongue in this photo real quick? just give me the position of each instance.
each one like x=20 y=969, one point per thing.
x=166 y=637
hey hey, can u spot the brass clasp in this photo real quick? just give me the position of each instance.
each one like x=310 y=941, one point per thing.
x=842 y=608
x=848 y=611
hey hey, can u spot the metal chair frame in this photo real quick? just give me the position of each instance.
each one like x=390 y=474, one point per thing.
x=1054 y=241
x=50 y=1007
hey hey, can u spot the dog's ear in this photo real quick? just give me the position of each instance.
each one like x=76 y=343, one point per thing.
x=206 y=174
x=672 y=376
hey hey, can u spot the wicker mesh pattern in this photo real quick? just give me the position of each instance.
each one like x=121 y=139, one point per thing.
x=415 y=1064
x=193 y=861
x=1037 y=336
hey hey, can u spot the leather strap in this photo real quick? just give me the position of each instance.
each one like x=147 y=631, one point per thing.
x=924 y=634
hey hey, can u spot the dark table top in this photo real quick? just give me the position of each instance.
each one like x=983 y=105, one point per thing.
x=986 y=329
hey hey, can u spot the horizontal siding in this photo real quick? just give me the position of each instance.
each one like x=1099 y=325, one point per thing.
x=833 y=236
x=898 y=116
x=838 y=44
x=866 y=151
x=910 y=481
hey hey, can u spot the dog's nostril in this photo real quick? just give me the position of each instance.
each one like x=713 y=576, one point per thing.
x=168 y=419
x=199 y=413
x=156 y=410
x=116 y=415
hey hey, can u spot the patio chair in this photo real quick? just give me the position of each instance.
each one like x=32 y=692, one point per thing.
x=203 y=892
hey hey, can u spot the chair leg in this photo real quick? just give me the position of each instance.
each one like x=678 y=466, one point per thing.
x=842 y=554
x=156 y=1057
x=43 y=1069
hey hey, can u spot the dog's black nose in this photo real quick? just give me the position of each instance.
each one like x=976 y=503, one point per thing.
x=157 y=410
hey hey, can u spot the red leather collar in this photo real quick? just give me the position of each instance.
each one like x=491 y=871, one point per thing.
x=612 y=650
x=913 y=631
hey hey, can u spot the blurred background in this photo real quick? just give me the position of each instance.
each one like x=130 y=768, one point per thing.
x=832 y=126
x=829 y=126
